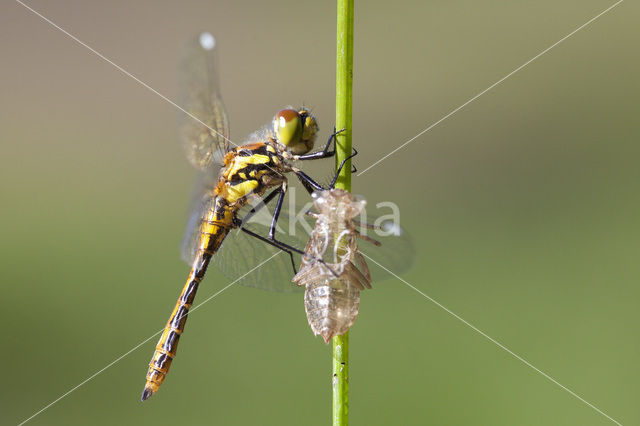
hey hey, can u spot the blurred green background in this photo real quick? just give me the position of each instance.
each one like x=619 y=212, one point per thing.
x=523 y=207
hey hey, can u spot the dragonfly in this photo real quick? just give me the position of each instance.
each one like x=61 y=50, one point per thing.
x=231 y=179
x=332 y=288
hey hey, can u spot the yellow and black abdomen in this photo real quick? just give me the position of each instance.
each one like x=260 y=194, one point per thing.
x=249 y=169
x=216 y=224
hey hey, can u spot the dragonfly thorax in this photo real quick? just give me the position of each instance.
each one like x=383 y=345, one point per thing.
x=250 y=169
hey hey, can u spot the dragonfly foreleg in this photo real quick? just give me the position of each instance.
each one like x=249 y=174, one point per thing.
x=311 y=185
x=326 y=152
x=335 y=177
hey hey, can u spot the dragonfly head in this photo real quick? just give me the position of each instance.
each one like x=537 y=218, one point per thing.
x=296 y=129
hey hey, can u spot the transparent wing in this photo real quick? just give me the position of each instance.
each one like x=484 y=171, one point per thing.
x=396 y=252
x=242 y=257
x=255 y=263
x=201 y=198
x=204 y=131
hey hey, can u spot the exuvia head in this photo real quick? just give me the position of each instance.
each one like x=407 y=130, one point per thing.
x=296 y=129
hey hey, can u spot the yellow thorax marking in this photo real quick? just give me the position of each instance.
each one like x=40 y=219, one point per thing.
x=258 y=174
x=240 y=163
x=233 y=193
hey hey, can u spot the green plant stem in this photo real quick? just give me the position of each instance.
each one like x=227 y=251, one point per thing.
x=340 y=381
x=344 y=100
x=344 y=89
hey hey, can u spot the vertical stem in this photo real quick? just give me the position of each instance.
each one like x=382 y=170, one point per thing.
x=341 y=379
x=344 y=89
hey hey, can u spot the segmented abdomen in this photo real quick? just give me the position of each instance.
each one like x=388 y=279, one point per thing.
x=168 y=343
x=331 y=306
x=331 y=301
x=213 y=229
x=333 y=270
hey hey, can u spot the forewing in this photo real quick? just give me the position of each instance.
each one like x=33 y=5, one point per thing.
x=394 y=255
x=255 y=263
x=242 y=257
x=201 y=198
x=204 y=129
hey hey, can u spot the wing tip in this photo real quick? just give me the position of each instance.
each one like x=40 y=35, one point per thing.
x=207 y=40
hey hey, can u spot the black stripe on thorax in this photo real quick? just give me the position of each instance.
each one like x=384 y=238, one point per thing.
x=271 y=166
x=262 y=149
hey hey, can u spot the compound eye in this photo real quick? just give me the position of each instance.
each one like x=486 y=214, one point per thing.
x=309 y=129
x=287 y=125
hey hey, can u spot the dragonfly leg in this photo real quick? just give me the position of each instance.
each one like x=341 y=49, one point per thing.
x=276 y=213
x=311 y=185
x=335 y=177
x=277 y=244
x=326 y=152
x=281 y=191
x=274 y=221
x=287 y=249
x=262 y=204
